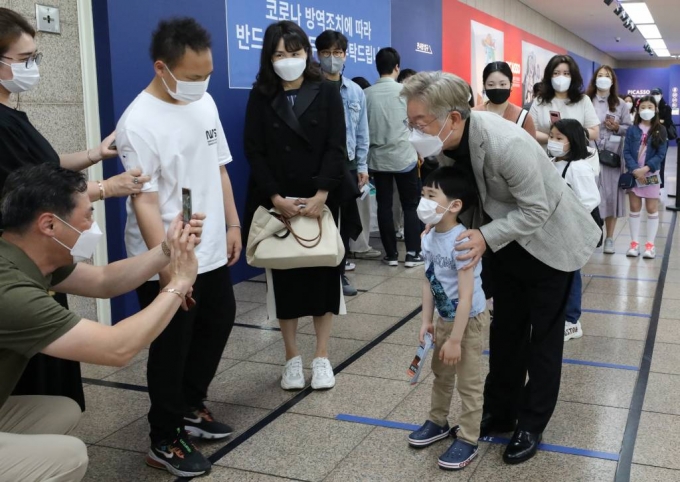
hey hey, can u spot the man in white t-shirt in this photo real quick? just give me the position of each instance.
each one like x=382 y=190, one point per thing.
x=172 y=131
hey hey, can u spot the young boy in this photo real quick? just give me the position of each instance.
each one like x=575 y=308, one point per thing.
x=172 y=131
x=457 y=294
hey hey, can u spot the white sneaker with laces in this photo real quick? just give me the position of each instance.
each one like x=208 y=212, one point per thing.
x=634 y=250
x=650 y=251
x=293 y=377
x=322 y=374
x=609 y=246
x=572 y=330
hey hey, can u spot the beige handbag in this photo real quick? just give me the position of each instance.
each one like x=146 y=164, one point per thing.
x=300 y=242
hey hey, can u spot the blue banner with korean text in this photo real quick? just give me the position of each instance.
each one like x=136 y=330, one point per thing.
x=365 y=23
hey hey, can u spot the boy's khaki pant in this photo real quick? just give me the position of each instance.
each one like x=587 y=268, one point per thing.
x=470 y=380
x=33 y=446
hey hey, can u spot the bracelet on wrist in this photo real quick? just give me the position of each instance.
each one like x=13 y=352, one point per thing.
x=102 y=191
x=234 y=226
x=92 y=161
x=165 y=248
x=174 y=292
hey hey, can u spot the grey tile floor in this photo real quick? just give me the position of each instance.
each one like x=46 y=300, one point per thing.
x=306 y=441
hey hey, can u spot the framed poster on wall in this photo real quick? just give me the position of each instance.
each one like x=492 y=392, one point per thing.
x=487 y=46
x=534 y=61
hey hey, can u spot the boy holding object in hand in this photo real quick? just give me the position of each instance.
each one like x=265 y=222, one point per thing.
x=462 y=318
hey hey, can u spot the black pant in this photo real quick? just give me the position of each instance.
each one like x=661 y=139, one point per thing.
x=184 y=358
x=344 y=233
x=409 y=195
x=527 y=335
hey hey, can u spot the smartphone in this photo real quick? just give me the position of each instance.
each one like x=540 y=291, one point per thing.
x=554 y=116
x=611 y=117
x=186 y=205
x=113 y=145
x=295 y=199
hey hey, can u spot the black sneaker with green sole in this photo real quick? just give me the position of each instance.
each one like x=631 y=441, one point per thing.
x=179 y=457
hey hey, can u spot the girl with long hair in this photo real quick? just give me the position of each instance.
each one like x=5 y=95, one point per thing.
x=645 y=148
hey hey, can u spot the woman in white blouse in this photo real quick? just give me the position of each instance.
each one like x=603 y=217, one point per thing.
x=562 y=97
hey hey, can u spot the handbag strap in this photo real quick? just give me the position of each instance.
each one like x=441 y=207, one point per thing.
x=313 y=242
x=522 y=118
x=564 y=172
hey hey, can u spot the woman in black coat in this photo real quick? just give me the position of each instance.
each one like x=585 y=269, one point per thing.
x=295 y=143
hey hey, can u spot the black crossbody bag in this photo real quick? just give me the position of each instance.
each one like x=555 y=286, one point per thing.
x=609 y=158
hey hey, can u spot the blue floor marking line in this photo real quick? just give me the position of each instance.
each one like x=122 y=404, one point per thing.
x=609 y=312
x=377 y=422
x=573 y=361
x=602 y=276
x=496 y=440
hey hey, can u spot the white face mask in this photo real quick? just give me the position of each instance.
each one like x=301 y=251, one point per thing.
x=427 y=145
x=647 y=114
x=427 y=211
x=86 y=243
x=561 y=83
x=23 y=79
x=187 y=91
x=290 y=69
x=629 y=105
x=603 y=83
x=332 y=65
x=556 y=149
x=657 y=98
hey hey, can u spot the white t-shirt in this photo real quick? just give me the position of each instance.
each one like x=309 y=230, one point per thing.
x=583 y=111
x=179 y=146
x=441 y=270
x=581 y=178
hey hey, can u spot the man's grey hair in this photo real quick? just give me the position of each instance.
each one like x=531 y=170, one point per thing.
x=441 y=92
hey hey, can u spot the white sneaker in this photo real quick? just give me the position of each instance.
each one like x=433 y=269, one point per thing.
x=293 y=377
x=609 y=246
x=634 y=250
x=650 y=251
x=350 y=266
x=572 y=330
x=322 y=374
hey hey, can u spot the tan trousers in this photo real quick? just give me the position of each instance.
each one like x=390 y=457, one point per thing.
x=470 y=381
x=33 y=446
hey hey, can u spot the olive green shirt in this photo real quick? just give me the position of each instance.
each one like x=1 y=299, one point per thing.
x=30 y=319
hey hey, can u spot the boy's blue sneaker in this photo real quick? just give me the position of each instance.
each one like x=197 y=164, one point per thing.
x=428 y=434
x=459 y=455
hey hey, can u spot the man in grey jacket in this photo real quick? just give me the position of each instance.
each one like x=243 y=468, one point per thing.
x=538 y=233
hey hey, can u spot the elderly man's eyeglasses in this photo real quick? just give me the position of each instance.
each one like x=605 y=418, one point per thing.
x=335 y=53
x=418 y=127
x=36 y=58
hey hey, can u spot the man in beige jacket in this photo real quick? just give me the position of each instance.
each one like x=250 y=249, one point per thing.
x=538 y=233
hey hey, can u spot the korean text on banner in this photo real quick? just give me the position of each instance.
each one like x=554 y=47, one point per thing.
x=365 y=24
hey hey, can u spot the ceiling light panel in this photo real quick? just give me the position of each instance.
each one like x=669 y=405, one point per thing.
x=657 y=44
x=639 y=12
x=649 y=31
x=662 y=53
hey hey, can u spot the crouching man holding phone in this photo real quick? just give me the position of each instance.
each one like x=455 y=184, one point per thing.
x=48 y=225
